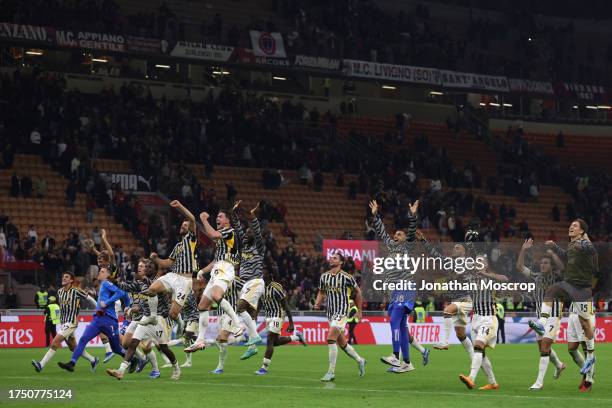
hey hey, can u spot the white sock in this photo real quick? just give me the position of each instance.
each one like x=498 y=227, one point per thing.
x=229 y=310
x=294 y=337
x=203 y=324
x=468 y=346
x=175 y=342
x=124 y=365
x=488 y=370
x=152 y=357
x=333 y=356
x=476 y=364
x=266 y=363
x=350 y=351
x=88 y=356
x=590 y=345
x=577 y=357
x=188 y=358
x=175 y=367
x=544 y=360
x=589 y=374
x=448 y=326
x=545 y=312
x=140 y=354
x=50 y=353
x=165 y=358
x=250 y=324
x=555 y=359
x=222 y=355
x=152 y=303
x=417 y=346
x=108 y=347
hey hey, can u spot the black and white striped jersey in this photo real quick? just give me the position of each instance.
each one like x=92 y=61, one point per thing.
x=272 y=300
x=397 y=248
x=338 y=289
x=251 y=256
x=190 y=310
x=483 y=298
x=227 y=248
x=184 y=255
x=233 y=293
x=543 y=281
x=70 y=304
x=134 y=288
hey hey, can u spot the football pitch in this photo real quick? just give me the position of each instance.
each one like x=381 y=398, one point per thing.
x=293 y=380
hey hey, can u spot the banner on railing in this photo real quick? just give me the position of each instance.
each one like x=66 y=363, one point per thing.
x=130 y=182
x=267 y=44
x=196 y=50
x=27 y=32
x=144 y=45
x=402 y=73
x=317 y=62
x=530 y=87
x=94 y=41
x=468 y=80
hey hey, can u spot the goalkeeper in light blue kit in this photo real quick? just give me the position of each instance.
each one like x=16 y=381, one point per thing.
x=105 y=320
x=401 y=302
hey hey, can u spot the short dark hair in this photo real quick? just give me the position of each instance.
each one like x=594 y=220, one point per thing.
x=583 y=225
x=340 y=255
x=69 y=273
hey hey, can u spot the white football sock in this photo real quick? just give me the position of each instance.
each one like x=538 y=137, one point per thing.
x=448 y=326
x=222 y=355
x=577 y=357
x=88 y=356
x=590 y=345
x=188 y=357
x=266 y=363
x=333 y=356
x=544 y=360
x=152 y=357
x=50 y=353
x=476 y=364
x=124 y=365
x=203 y=324
x=350 y=351
x=229 y=310
x=417 y=346
x=250 y=324
x=468 y=346
x=107 y=347
x=488 y=370
x=140 y=354
x=175 y=342
x=294 y=337
x=555 y=359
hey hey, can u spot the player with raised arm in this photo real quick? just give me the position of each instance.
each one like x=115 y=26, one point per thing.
x=545 y=278
x=576 y=287
x=484 y=326
x=336 y=287
x=401 y=302
x=222 y=273
x=105 y=320
x=70 y=298
x=180 y=266
x=275 y=308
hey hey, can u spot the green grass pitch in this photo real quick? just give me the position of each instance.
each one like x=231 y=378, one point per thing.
x=294 y=375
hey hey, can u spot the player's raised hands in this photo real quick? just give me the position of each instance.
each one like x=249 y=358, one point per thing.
x=528 y=243
x=175 y=204
x=414 y=207
x=236 y=205
x=255 y=210
x=549 y=243
x=153 y=256
x=374 y=207
x=204 y=216
x=103 y=233
x=420 y=236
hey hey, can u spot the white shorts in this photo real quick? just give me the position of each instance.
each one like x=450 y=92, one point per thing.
x=275 y=324
x=192 y=327
x=222 y=275
x=131 y=327
x=339 y=322
x=158 y=333
x=575 y=333
x=583 y=309
x=484 y=329
x=67 y=330
x=179 y=285
x=226 y=324
x=551 y=329
x=460 y=319
x=252 y=291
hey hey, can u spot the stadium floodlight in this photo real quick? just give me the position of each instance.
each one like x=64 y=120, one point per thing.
x=591 y=107
x=575 y=107
x=482 y=104
x=279 y=78
x=388 y=87
x=99 y=60
x=604 y=107
x=162 y=66
x=436 y=93
x=494 y=104
x=34 y=52
x=225 y=72
x=508 y=105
